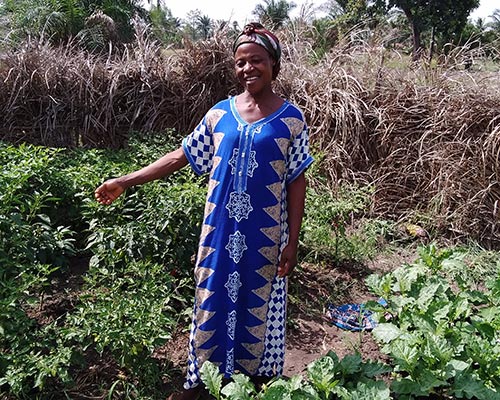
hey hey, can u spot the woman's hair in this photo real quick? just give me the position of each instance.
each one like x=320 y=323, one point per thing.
x=256 y=33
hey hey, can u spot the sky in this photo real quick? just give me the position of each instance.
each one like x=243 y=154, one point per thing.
x=241 y=10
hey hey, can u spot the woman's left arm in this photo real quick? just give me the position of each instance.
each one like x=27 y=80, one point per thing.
x=296 y=201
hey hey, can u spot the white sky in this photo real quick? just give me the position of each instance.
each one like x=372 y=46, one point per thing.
x=241 y=10
x=485 y=9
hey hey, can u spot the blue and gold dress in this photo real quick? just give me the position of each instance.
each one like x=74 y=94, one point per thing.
x=240 y=302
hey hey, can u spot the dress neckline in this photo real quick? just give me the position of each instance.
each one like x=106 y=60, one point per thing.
x=267 y=118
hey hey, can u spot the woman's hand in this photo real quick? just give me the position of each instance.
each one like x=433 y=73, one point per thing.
x=288 y=260
x=109 y=191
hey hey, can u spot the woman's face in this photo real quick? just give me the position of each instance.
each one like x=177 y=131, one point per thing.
x=254 y=67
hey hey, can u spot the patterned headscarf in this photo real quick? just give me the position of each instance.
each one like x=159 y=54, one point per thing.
x=256 y=33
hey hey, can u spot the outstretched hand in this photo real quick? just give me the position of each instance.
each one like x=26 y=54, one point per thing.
x=108 y=192
x=288 y=261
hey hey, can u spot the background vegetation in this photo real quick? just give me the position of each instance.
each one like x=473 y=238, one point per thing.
x=406 y=135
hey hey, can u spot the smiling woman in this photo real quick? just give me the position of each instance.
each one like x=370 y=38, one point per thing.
x=255 y=149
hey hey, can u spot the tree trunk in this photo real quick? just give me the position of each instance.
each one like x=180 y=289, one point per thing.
x=417 y=42
x=416 y=32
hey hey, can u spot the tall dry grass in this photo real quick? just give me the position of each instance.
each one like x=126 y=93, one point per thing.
x=65 y=97
x=427 y=137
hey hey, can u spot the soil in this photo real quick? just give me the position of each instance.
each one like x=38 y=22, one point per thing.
x=309 y=332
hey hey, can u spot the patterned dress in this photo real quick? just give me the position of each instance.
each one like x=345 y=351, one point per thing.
x=240 y=302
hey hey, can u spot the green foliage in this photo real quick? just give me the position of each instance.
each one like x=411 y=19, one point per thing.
x=349 y=378
x=165 y=26
x=442 y=339
x=448 y=18
x=46 y=19
x=328 y=215
x=129 y=314
x=274 y=13
x=129 y=303
x=198 y=26
x=61 y=20
x=443 y=335
x=212 y=379
x=28 y=235
x=357 y=13
x=32 y=249
x=159 y=223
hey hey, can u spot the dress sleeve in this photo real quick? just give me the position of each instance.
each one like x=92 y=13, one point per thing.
x=298 y=155
x=199 y=148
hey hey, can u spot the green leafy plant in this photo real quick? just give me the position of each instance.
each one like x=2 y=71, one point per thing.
x=443 y=340
x=125 y=309
x=327 y=217
x=349 y=378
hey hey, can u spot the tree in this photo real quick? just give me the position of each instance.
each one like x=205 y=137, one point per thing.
x=60 y=20
x=55 y=19
x=205 y=26
x=273 y=13
x=198 y=26
x=165 y=26
x=446 y=18
x=348 y=14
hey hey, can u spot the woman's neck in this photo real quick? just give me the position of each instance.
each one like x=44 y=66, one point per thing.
x=253 y=108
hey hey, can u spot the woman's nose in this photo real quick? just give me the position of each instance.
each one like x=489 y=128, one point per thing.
x=248 y=67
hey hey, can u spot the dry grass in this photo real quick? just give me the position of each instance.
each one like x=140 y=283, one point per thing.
x=64 y=97
x=427 y=138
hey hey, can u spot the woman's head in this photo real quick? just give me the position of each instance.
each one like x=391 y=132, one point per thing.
x=256 y=33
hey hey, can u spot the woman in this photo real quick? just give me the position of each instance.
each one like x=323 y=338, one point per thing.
x=254 y=146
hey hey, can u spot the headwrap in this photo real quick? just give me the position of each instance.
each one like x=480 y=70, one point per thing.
x=256 y=33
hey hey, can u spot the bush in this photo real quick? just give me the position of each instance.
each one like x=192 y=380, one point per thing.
x=140 y=248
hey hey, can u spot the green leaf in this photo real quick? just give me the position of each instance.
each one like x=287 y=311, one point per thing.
x=296 y=388
x=470 y=386
x=380 y=285
x=321 y=373
x=372 y=369
x=490 y=314
x=372 y=390
x=454 y=367
x=276 y=393
x=212 y=378
x=405 y=276
x=386 y=332
x=405 y=355
x=240 y=389
x=424 y=322
x=437 y=348
x=485 y=329
x=350 y=364
x=426 y=296
x=407 y=386
x=305 y=393
x=429 y=380
x=461 y=308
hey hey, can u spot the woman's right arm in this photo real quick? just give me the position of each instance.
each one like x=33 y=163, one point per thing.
x=110 y=190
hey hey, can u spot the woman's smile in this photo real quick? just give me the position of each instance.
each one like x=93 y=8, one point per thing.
x=254 y=67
